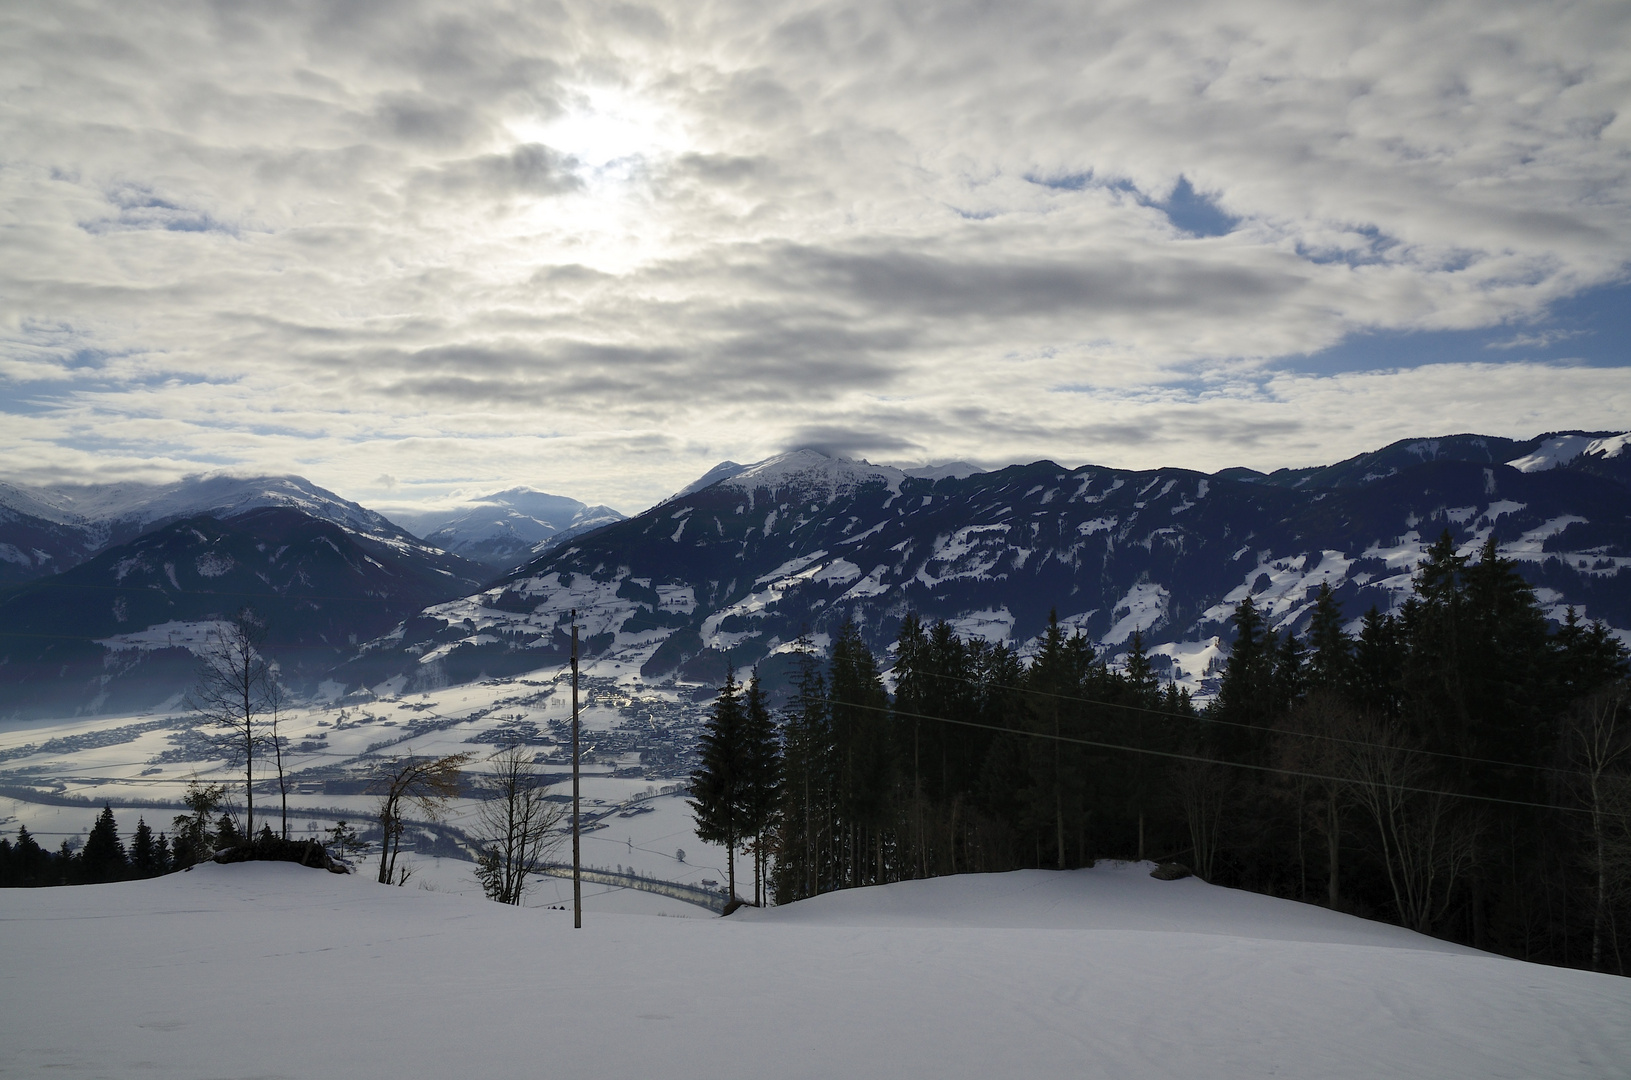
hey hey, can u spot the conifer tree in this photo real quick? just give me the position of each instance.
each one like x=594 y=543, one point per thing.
x=861 y=725
x=1246 y=692
x=144 y=853
x=804 y=818
x=1378 y=667
x=1054 y=685
x=66 y=868
x=194 y=841
x=29 y=861
x=1330 y=650
x=1140 y=674
x=1588 y=657
x=1289 y=676
x=761 y=778
x=720 y=776
x=103 y=858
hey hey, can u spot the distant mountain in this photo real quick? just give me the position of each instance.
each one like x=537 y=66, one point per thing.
x=48 y=530
x=120 y=630
x=733 y=572
x=1586 y=451
x=32 y=545
x=506 y=529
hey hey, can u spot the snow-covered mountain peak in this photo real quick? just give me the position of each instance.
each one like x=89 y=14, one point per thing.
x=38 y=503
x=1611 y=447
x=723 y=471
x=506 y=528
x=1554 y=452
x=535 y=503
x=814 y=473
x=952 y=470
x=218 y=495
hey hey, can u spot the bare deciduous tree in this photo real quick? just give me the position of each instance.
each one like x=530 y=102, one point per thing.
x=274 y=712
x=234 y=692
x=1597 y=741
x=1427 y=842
x=1203 y=787
x=428 y=783
x=1316 y=741
x=517 y=824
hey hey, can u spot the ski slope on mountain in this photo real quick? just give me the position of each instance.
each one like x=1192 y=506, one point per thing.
x=274 y=970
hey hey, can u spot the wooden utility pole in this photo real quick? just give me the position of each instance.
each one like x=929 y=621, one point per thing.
x=577 y=864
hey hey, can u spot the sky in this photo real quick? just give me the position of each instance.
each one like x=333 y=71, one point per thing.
x=416 y=251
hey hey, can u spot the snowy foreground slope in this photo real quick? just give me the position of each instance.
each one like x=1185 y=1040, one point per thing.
x=273 y=970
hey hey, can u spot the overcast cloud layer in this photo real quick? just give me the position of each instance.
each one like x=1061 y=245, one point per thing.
x=406 y=249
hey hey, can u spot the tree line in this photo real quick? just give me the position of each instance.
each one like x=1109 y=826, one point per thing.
x=517 y=827
x=194 y=837
x=1461 y=767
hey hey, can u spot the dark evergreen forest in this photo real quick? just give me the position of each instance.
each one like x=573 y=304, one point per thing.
x=1462 y=768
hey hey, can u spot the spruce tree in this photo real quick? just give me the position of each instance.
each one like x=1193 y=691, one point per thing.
x=144 y=854
x=29 y=861
x=761 y=778
x=804 y=865
x=104 y=856
x=1140 y=674
x=720 y=776
x=1246 y=692
x=864 y=747
x=1588 y=657
x=1054 y=685
x=1330 y=650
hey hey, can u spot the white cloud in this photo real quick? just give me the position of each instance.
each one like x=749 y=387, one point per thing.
x=338 y=239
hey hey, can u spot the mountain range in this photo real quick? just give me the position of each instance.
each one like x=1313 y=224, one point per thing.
x=735 y=568
x=504 y=530
x=734 y=572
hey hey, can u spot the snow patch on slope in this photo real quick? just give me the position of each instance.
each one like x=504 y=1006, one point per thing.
x=1562 y=449
x=1144 y=607
x=817 y=477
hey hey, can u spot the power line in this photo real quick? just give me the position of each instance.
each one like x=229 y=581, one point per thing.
x=1175 y=755
x=26 y=587
x=1201 y=718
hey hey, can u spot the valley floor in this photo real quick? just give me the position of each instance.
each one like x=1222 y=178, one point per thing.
x=266 y=970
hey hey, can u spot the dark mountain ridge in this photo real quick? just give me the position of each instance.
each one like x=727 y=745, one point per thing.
x=735 y=571
x=118 y=632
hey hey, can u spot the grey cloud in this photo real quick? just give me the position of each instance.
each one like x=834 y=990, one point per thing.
x=720 y=168
x=529 y=169
x=1018 y=287
x=640 y=21
x=837 y=440
x=423 y=120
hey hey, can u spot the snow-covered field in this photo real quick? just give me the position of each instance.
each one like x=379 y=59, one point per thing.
x=56 y=774
x=277 y=971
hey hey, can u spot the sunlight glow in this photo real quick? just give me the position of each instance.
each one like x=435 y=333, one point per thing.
x=610 y=131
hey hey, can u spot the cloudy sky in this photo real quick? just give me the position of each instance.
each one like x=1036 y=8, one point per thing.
x=414 y=249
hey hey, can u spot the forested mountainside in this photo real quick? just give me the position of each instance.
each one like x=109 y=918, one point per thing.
x=734 y=572
x=737 y=566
